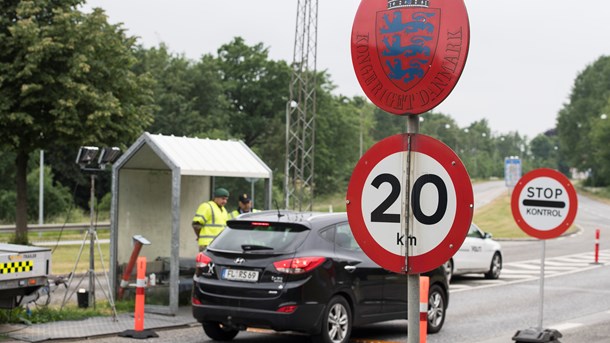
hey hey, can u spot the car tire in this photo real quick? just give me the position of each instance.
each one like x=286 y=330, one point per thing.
x=219 y=332
x=336 y=322
x=437 y=306
x=495 y=268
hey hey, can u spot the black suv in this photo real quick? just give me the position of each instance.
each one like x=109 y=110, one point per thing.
x=303 y=272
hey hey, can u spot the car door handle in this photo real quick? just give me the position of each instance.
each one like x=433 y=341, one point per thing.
x=350 y=268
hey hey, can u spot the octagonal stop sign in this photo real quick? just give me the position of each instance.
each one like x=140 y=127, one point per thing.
x=544 y=203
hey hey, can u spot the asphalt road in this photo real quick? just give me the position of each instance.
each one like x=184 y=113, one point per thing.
x=577 y=304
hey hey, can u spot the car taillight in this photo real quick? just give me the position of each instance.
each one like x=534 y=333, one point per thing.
x=298 y=265
x=287 y=309
x=202 y=264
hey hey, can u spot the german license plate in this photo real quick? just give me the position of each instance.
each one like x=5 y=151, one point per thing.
x=240 y=275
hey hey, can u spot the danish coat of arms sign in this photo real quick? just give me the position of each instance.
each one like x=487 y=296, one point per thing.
x=409 y=54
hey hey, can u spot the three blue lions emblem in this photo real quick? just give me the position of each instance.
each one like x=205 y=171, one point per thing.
x=406 y=43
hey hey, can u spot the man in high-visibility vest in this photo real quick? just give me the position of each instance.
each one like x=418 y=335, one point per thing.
x=244 y=206
x=211 y=218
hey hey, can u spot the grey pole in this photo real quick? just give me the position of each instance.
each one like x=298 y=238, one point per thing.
x=41 y=191
x=541 y=303
x=92 y=246
x=412 y=279
x=287 y=166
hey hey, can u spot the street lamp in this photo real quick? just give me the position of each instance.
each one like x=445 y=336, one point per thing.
x=290 y=104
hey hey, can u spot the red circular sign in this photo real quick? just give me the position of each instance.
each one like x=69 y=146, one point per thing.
x=409 y=54
x=440 y=203
x=544 y=203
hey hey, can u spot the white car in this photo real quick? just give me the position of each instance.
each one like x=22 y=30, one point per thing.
x=478 y=254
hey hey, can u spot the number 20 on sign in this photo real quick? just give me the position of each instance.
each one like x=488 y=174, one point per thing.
x=440 y=203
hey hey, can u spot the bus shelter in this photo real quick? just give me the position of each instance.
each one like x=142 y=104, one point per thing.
x=157 y=184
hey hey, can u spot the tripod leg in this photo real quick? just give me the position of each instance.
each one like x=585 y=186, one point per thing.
x=109 y=293
x=80 y=252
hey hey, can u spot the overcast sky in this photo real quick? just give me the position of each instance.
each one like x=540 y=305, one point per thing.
x=523 y=59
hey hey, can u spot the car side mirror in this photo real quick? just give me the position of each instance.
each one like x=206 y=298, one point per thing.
x=487 y=235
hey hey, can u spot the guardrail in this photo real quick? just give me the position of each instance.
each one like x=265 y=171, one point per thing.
x=57 y=227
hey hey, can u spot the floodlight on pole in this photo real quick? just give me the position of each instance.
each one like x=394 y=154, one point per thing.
x=86 y=159
x=86 y=155
x=108 y=155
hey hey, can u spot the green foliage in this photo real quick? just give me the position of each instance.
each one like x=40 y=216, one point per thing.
x=337 y=136
x=66 y=80
x=582 y=123
x=104 y=203
x=57 y=198
x=45 y=314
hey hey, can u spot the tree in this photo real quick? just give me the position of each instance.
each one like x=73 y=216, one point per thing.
x=600 y=136
x=441 y=127
x=580 y=121
x=338 y=126
x=256 y=88
x=65 y=80
x=189 y=96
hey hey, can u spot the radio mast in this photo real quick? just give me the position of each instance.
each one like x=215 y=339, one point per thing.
x=301 y=111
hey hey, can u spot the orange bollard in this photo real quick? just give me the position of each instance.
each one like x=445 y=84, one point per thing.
x=140 y=285
x=597 y=246
x=424 y=284
x=139 y=331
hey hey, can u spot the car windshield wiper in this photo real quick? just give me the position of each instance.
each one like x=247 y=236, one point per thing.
x=250 y=247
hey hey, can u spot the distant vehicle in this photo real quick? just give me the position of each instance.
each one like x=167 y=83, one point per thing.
x=303 y=272
x=478 y=254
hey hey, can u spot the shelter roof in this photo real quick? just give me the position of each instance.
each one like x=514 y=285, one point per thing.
x=194 y=156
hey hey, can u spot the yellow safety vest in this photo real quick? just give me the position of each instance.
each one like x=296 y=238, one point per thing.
x=236 y=213
x=213 y=220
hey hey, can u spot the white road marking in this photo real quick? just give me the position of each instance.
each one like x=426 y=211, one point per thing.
x=566 y=326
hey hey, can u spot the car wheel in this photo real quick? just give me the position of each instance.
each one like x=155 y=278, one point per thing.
x=336 y=322
x=219 y=332
x=495 y=268
x=437 y=303
x=449 y=270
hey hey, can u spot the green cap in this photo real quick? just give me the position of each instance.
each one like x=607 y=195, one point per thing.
x=221 y=192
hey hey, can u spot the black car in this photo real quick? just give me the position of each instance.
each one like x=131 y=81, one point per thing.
x=303 y=272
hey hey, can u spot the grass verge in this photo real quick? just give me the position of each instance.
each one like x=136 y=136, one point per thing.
x=45 y=314
x=64 y=258
x=497 y=219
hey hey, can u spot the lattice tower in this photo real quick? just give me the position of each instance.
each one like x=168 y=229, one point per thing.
x=301 y=111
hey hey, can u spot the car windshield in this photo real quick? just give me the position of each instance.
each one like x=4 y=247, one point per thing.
x=257 y=238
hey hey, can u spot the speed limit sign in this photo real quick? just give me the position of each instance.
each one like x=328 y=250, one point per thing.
x=438 y=209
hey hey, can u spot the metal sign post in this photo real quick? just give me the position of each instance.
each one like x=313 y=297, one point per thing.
x=412 y=279
x=410 y=171
x=544 y=205
x=541 y=303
